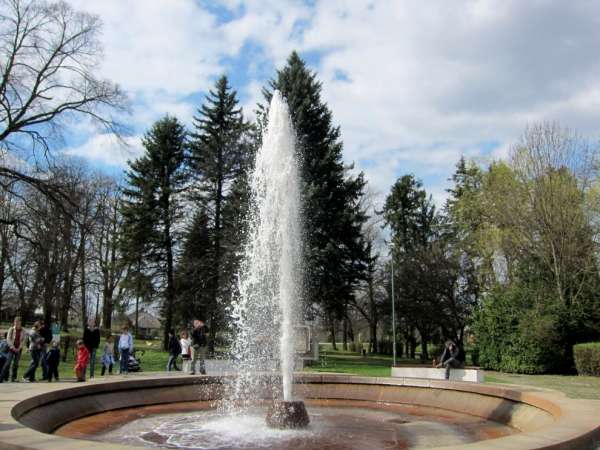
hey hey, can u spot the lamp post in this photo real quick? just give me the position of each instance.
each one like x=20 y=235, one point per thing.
x=393 y=309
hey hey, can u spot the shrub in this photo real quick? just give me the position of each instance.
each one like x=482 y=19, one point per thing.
x=587 y=358
x=513 y=336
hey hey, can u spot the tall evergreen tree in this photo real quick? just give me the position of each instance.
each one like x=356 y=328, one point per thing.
x=194 y=269
x=410 y=214
x=335 y=253
x=152 y=208
x=220 y=154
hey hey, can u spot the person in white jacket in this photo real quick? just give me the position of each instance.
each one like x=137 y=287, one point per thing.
x=125 y=349
x=186 y=348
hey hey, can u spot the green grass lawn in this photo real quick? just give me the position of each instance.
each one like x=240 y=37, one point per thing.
x=379 y=366
x=573 y=386
x=351 y=363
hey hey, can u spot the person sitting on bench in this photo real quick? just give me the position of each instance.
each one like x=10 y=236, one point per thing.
x=450 y=358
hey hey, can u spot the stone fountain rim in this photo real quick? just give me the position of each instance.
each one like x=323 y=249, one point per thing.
x=574 y=424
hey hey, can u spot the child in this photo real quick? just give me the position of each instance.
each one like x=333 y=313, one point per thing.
x=52 y=361
x=83 y=357
x=125 y=349
x=108 y=357
x=186 y=344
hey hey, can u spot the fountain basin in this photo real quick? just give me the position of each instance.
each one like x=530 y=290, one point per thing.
x=543 y=419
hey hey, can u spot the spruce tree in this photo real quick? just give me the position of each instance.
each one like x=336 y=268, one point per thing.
x=219 y=156
x=194 y=269
x=152 y=208
x=335 y=253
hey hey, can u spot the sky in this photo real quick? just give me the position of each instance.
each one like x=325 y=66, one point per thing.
x=413 y=85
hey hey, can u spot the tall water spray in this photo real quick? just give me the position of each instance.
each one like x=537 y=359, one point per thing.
x=270 y=277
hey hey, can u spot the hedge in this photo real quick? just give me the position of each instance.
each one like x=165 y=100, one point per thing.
x=587 y=358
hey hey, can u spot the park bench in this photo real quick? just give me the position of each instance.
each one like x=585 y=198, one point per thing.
x=471 y=374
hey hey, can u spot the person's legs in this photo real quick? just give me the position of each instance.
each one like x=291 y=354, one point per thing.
x=451 y=365
x=15 y=365
x=43 y=361
x=54 y=372
x=170 y=362
x=92 y=361
x=6 y=366
x=201 y=357
x=103 y=370
x=124 y=360
x=35 y=359
x=195 y=356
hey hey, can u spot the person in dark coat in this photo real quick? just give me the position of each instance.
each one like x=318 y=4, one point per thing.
x=450 y=358
x=46 y=333
x=91 y=340
x=52 y=361
x=35 y=350
x=174 y=351
x=199 y=343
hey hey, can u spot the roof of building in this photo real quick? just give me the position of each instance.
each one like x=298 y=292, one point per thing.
x=145 y=320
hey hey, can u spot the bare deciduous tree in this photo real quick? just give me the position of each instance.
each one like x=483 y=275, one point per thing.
x=49 y=57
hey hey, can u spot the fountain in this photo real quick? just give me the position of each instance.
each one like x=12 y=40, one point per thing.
x=265 y=311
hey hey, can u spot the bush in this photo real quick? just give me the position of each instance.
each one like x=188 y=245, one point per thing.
x=514 y=336
x=587 y=358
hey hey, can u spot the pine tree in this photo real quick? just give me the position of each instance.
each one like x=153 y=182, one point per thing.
x=335 y=253
x=152 y=208
x=220 y=154
x=194 y=269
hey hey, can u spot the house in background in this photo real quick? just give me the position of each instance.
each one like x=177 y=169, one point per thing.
x=148 y=326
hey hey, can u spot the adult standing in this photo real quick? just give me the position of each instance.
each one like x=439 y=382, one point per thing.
x=199 y=343
x=15 y=339
x=174 y=351
x=46 y=334
x=91 y=340
x=36 y=342
x=125 y=349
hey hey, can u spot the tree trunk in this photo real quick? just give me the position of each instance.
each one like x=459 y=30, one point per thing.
x=137 y=315
x=170 y=291
x=217 y=234
x=332 y=334
x=424 y=352
x=373 y=348
x=107 y=310
x=82 y=282
x=345 y=334
x=3 y=261
x=97 y=315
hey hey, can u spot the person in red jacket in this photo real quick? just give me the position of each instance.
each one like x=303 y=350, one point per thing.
x=83 y=358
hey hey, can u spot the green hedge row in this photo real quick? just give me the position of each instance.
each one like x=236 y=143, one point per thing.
x=587 y=358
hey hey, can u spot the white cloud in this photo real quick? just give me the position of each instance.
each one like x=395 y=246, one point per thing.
x=106 y=149
x=423 y=82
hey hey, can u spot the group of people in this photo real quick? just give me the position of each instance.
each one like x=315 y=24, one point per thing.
x=191 y=347
x=43 y=345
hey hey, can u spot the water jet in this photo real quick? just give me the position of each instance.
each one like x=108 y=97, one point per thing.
x=270 y=279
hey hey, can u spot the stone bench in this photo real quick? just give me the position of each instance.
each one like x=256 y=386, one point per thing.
x=432 y=373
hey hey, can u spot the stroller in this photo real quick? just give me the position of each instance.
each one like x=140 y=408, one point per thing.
x=135 y=361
